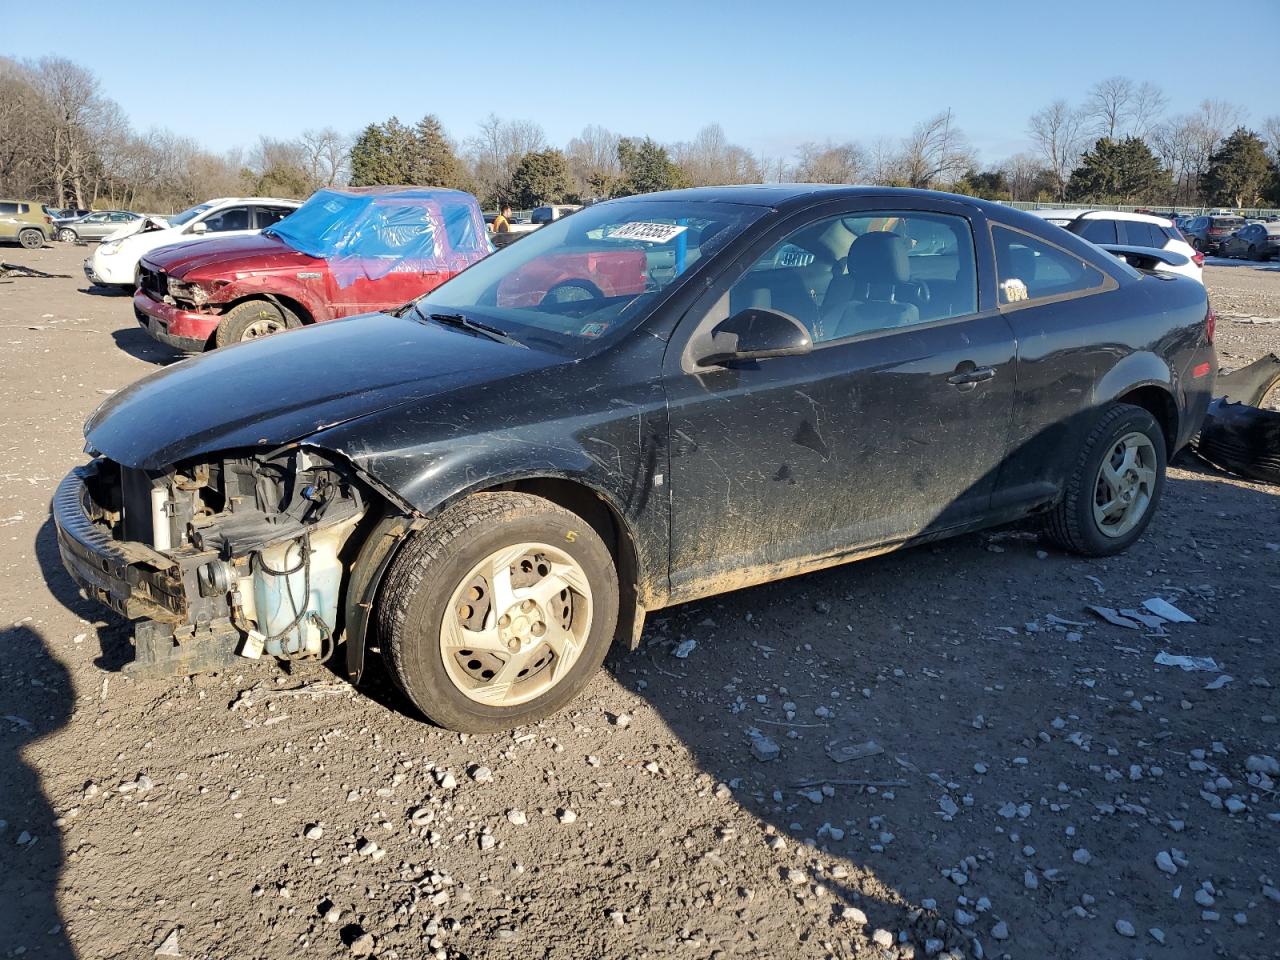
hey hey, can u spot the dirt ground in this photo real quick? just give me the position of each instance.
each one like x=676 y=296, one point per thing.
x=1042 y=787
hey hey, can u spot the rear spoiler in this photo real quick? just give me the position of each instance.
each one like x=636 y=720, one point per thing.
x=1145 y=258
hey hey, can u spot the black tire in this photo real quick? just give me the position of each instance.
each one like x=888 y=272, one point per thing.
x=31 y=239
x=237 y=323
x=1071 y=524
x=432 y=564
x=67 y=235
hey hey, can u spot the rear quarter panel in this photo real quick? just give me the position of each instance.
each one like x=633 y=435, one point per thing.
x=1076 y=356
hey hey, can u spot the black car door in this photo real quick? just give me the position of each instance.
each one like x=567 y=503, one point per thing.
x=892 y=427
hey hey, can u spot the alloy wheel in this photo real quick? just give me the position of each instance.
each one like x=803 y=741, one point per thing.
x=1125 y=484
x=516 y=624
x=264 y=326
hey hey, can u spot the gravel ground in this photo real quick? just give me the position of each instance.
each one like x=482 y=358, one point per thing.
x=1024 y=780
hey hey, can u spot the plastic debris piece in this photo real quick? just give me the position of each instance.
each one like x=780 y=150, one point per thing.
x=847 y=748
x=1218 y=684
x=684 y=648
x=1187 y=663
x=1162 y=608
x=1113 y=616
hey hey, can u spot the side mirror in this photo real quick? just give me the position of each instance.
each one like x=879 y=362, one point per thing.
x=757 y=334
x=200 y=227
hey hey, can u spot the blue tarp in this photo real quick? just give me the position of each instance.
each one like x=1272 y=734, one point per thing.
x=370 y=232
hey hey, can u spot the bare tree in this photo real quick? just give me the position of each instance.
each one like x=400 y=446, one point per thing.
x=830 y=163
x=937 y=152
x=711 y=159
x=326 y=156
x=885 y=164
x=25 y=115
x=1058 y=134
x=593 y=161
x=1271 y=134
x=80 y=114
x=495 y=152
x=1024 y=173
x=1145 y=109
x=1108 y=105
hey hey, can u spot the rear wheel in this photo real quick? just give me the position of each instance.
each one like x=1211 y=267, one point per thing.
x=1114 y=486
x=31 y=239
x=499 y=612
x=1253 y=252
x=67 y=235
x=253 y=320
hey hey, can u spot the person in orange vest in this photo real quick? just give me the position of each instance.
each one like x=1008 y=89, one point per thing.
x=502 y=222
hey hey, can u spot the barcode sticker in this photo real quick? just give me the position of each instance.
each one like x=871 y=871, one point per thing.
x=649 y=232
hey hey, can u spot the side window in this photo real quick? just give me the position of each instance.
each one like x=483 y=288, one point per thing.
x=1138 y=234
x=853 y=274
x=8 y=207
x=269 y=215
x=121 y=218
x=1097 y=231
x=232 y=218
x=1029 y=269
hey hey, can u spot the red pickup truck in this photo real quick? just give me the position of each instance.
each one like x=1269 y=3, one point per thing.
x=344 y=252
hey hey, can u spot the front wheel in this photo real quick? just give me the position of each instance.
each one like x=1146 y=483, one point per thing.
x=499 y=612
x=67 y=235
x=1253 y=252
x=253 y=320
x=1114 y=485
x=31 y=239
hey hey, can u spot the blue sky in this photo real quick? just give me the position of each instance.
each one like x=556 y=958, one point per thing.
x=774 y=74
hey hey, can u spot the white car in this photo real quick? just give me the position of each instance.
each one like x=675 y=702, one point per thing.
x=115 y=261
x=1113 y=228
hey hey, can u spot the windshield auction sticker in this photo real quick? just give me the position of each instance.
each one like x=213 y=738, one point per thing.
x=648 y=232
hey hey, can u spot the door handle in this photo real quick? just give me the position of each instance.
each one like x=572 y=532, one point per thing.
x=976 y=375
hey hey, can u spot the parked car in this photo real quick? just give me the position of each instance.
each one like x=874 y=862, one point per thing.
x=1206 y=233
x=1113 y=227
x=1254 y=241
x=93 y=226
x=344 y=252
x=492 y=491
x=541 y=216
x=115 y=262
x=25 y=222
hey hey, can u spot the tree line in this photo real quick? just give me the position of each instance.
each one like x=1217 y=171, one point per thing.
x=64 y=141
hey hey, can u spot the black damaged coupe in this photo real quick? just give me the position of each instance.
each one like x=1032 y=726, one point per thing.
x=656 y=399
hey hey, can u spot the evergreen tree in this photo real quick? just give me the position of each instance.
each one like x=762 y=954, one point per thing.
x=434 y=163
x=646 y=167
x=541 y=177
x=393 y=154
x=1119 y=171
x=1239 y=172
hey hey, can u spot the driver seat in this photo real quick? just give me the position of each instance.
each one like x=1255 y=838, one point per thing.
x=876 y=292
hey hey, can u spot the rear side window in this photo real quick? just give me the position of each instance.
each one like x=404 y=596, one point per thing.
x=1140 y=234
x=270 y=215
x=8 y=207
x=1031 y=270
x=1096 y=231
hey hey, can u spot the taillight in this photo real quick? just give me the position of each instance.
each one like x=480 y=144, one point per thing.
x=1198 y=258
x=1210 y=324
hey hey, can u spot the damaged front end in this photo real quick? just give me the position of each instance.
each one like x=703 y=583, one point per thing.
x=238 y=554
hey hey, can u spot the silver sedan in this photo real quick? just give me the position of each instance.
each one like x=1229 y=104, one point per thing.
x=93 y=226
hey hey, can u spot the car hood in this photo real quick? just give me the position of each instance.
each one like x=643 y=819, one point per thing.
x=155 y=224
x=283 y=388
x=225 y=257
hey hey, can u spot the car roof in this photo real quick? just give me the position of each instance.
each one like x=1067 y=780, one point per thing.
x=793 y=195
x=1090 y=214
x=219 y=201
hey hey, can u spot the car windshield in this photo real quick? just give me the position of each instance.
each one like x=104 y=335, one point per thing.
x=590 y=277
x=188 y=215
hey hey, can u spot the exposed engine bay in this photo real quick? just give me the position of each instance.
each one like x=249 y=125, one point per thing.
x=243 y=552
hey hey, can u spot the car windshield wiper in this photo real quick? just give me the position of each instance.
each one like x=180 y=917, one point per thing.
x=475 y=326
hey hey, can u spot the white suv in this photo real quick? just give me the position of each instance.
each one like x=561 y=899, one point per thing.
x=1113 y=228
x=115 y=261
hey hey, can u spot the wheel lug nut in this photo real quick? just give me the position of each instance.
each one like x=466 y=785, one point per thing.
x=504 y=621
x=513 y=644
x=527 y=606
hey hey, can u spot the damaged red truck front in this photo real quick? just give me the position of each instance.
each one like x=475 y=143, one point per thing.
x=344 y=252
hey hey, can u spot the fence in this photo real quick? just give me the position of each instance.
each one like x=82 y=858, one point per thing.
x=1158 y=209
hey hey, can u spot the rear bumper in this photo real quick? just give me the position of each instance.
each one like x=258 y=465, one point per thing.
x=184 y=329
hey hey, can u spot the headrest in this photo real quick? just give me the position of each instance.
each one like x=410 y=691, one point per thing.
x=879 y=257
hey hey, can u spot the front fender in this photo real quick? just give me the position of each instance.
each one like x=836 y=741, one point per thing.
x=270 y=286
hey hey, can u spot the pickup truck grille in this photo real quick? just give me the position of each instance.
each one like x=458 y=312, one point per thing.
x=153 y=282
